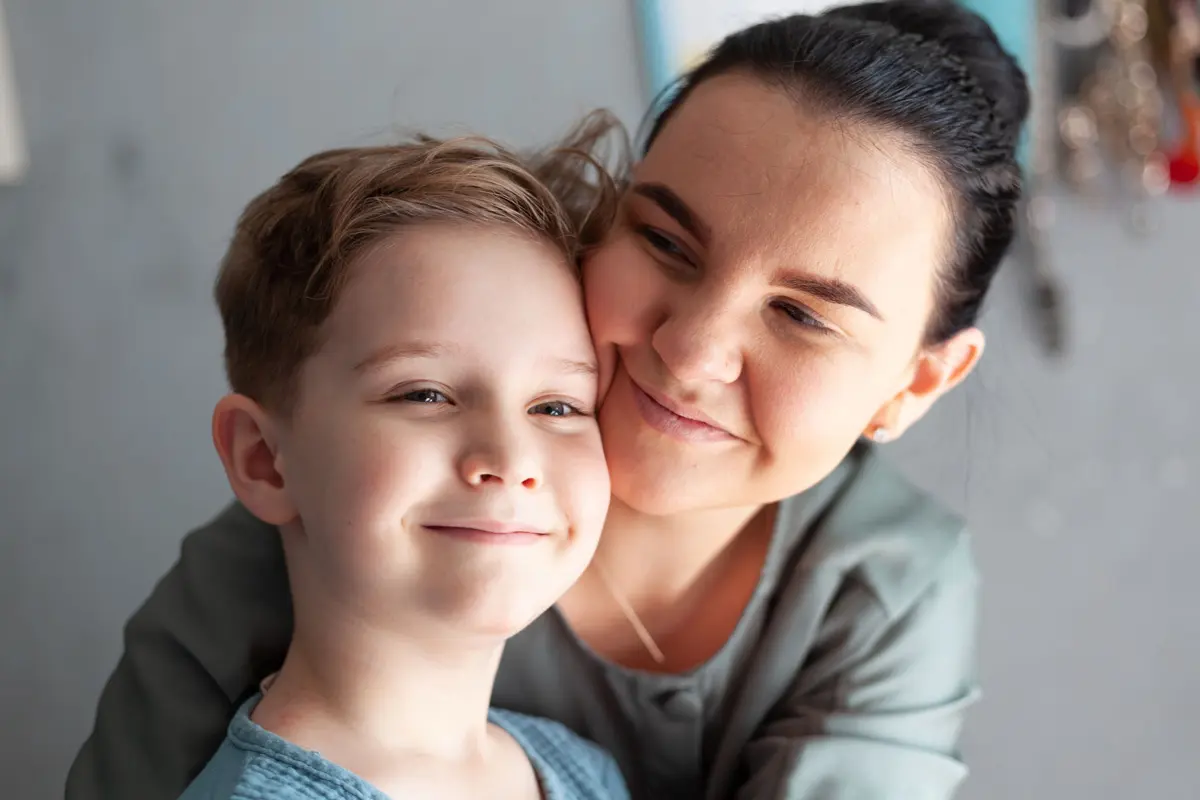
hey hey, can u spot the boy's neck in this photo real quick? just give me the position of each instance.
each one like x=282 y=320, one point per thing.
x=347 y=683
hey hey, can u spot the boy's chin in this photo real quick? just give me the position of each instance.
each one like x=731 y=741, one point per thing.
x=482 y=627
x=495 y=610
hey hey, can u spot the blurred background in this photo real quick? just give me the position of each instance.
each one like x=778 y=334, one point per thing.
x=148 y=125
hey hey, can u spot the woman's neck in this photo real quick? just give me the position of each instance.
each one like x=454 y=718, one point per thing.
x=347 y=682
x=662 y=557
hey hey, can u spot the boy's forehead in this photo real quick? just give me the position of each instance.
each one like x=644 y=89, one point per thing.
x=448 y=292
x=546 y=358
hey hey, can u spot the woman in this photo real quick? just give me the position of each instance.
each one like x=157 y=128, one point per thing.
x=799 y=263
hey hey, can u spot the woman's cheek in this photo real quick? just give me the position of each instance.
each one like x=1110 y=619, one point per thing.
x=778 y=410
x=789 y=404
x=801 y=412
x=606 y=358
x=619 y=280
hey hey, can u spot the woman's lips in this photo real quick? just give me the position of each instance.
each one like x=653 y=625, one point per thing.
x=664 y=420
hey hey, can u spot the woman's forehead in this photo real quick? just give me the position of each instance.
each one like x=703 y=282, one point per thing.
x=763 y=172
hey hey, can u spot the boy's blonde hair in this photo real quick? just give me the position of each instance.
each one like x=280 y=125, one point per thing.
x=294 y=245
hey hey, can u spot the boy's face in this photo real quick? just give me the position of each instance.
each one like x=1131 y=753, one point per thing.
x=443 y=454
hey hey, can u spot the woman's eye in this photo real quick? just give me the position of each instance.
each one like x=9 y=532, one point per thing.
x=425 y=396
x=662 y=243
x=801 y=316
x=555 y=408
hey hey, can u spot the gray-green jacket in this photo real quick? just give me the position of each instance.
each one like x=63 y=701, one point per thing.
x=847 y=677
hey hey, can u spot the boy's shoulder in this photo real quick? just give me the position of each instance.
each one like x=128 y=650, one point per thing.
x=235 y=773
x=569 y=766
x=253 y=764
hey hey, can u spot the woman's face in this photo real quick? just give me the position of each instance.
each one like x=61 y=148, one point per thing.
x=765 y=293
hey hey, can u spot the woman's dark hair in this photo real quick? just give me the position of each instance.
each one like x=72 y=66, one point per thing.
x=932 y=71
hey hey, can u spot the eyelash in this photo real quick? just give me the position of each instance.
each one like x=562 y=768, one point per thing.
x=802 y=316
x=410 y=397
x=571 y=409
x=663 y=244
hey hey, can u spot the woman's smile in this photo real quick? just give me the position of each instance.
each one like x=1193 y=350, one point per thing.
x=674 y=419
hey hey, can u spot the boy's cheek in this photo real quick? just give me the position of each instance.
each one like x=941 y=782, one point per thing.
x=593 y=483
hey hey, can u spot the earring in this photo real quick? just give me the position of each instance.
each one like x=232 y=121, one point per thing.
x=881 y=435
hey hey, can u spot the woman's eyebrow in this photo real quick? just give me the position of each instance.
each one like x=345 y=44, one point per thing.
x=674 y=207
x=831 y=290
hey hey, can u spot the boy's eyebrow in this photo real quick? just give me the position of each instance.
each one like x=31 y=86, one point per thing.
x=395 y=352
x=570 y=365
x=388 y=354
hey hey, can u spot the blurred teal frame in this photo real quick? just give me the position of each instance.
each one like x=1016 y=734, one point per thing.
x=1013 y=20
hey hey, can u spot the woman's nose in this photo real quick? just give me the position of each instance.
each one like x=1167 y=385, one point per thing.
x=697 y=341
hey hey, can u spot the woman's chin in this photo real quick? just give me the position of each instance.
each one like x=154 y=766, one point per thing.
x=659 y=487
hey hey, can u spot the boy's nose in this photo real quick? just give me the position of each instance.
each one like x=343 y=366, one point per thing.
x=502 y=461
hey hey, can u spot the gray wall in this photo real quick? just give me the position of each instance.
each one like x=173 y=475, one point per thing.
x=1080 y=480
x=151 y=124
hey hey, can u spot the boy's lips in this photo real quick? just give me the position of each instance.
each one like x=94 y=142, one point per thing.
x=489 y=525
x=489 y=531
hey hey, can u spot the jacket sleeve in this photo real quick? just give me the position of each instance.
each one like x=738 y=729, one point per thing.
x=217 y=623
x=884 y=722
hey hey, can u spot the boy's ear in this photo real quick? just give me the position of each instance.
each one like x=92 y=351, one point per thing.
x=245 y=438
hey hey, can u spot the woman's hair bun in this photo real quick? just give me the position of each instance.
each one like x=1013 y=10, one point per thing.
x=965 y=36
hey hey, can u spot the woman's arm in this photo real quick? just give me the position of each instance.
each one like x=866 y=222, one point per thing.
x=885 y=722
x=216 y=623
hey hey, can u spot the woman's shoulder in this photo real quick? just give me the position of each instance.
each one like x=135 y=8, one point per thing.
x=236 y=542
x=234 y=523
x=877 y=527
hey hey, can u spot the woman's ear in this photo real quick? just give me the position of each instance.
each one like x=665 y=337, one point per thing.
x=937 y=370
x=246 y=440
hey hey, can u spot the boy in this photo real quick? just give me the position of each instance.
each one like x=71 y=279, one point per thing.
x=413 y=404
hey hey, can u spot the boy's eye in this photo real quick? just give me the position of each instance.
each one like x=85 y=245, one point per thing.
x=555 y=408
x=428 y=396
